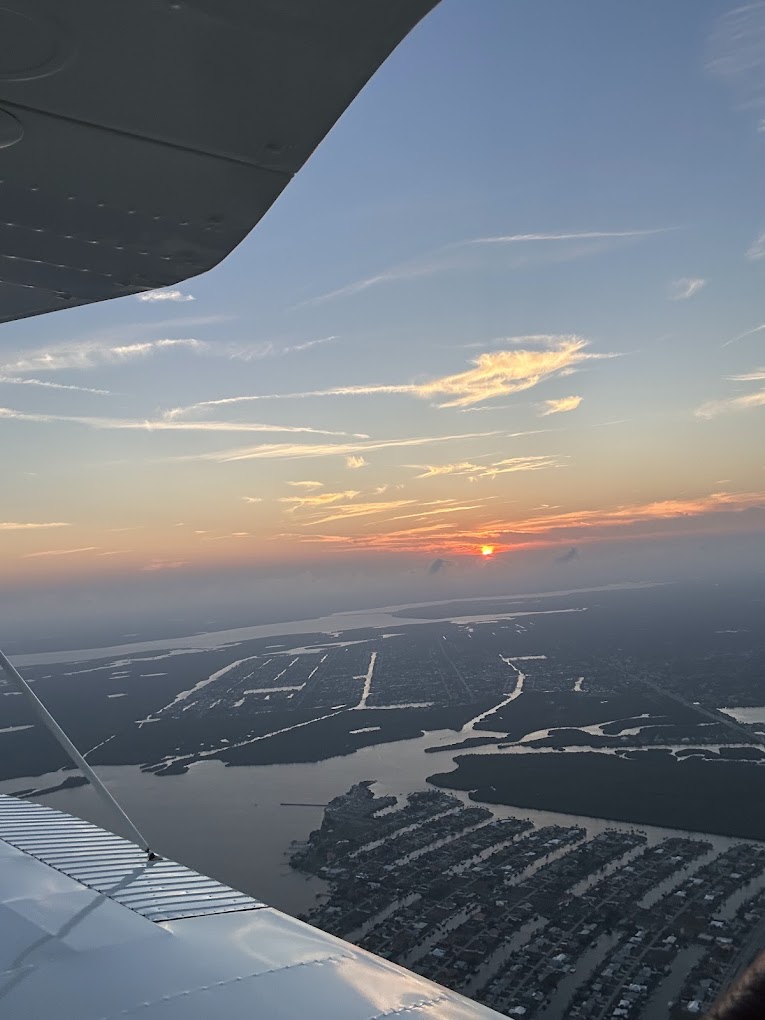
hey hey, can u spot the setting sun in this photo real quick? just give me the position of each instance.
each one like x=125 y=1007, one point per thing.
x=487 y=550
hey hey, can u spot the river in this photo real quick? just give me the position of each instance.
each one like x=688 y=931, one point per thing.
x=236 y=824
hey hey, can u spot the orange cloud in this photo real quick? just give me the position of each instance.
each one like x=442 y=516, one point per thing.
x=560 y=405
x=289 y=451
x=434 y=470
x=345 y=510
x=498 y=373
x=529 y=361
x=637 y=513
x=319 y=499
x=539 y=530
x=500 y=467
x=31 y=525
x=60 y=552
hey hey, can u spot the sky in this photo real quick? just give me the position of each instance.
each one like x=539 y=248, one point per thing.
x=505 y=327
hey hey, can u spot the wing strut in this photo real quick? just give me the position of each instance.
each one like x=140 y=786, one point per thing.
x=17 y=681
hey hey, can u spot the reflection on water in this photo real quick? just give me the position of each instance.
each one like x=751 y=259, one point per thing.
x=235 y=823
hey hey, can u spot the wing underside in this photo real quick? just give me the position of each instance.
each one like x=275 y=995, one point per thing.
x=141 y=141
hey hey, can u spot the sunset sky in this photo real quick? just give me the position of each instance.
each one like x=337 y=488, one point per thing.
x=516 y=299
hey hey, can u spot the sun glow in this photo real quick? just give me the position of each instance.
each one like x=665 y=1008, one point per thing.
x=487 y=550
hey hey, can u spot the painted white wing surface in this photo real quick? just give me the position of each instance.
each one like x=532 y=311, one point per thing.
x=91 y=930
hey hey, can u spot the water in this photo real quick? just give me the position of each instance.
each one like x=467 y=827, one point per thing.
x=746 y=715
x=586 y=966
x=516 y=692
x=670 y=987
x=232 y=823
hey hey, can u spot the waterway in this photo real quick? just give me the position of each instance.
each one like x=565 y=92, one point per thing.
x=669 y=988
x=233 y=823
x=746 y=715
x=586 y=966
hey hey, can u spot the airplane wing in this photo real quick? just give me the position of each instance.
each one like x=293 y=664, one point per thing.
x=91 y=930
x=141 y=141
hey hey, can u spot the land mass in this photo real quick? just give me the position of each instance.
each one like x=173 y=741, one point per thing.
x=647 y=787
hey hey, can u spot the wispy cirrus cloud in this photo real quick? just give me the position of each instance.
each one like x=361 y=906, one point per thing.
x=306 y=485
x=162 y=425
x=344 y=511
x=757 y=248
x=355 y=462
x=61 y=552
x=464 y=467
x=497 y=373
x=154 y=296
x=509 y=465
x=559 y=405
x=758 y=375
x=582 y=235
x=296 y=451
x=45 y=383
x=271 y=349
x=406 y=271
x=252 y=499
x=31 y=525
x=737 y=55
x=447 y=257
x=514 y=464
x=425 y=538
x=746 y=402
x=436 y=512
x=583 y=520
x=742 y=336
x=686 y=287
x=742 y=402
x=317 y=499
x=92 y=353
